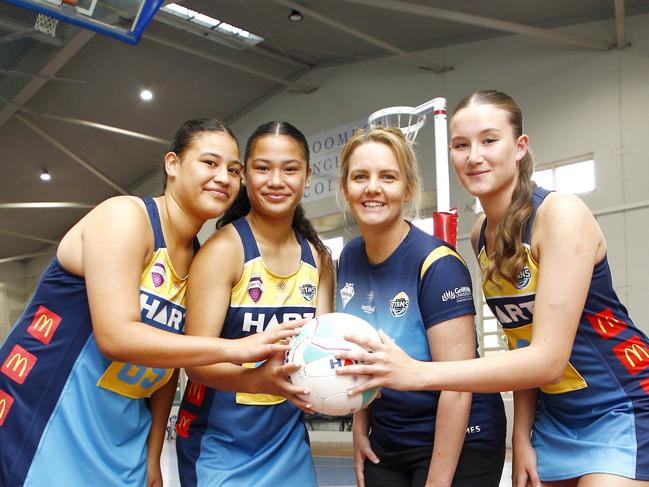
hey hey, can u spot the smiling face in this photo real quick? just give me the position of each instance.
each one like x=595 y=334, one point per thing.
x=375 y=188
x=276 y=175
x=206 y=175
x=485 y=152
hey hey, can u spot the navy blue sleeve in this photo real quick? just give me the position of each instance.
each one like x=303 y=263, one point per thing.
x=445 y=291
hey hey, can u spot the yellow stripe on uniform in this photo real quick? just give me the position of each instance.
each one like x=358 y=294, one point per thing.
x=437 y=254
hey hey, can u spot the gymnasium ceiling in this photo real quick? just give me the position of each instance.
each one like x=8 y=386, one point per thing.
x=51 y=95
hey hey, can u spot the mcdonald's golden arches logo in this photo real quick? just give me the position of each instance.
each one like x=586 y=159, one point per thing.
x=185 y=419
x=5 y=405
x=18 y=364
x=195 y=393
x=44 y=325
x=605 y=324
x=634 y=354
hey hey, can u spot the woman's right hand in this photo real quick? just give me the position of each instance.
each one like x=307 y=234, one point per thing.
x=524 y=472
x=385 y=361
x=259 y=346
x=362 y=450
x=272 y=378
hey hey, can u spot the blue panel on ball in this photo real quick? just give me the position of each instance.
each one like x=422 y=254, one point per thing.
x=312 y=352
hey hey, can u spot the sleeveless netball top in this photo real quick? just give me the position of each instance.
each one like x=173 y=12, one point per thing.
x=237 y=439
x=596 y=419
x=69 y=416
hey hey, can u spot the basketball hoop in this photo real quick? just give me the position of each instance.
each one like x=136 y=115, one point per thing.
x=404 y=118
x=46 y=24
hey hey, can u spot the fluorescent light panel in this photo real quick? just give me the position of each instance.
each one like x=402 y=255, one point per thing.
x=211 y=23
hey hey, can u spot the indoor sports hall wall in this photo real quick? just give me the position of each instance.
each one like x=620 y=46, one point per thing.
x=575 y=101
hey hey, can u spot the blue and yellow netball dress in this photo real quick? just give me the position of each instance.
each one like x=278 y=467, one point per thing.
x=239 y=439
x=68 y=415
x=596 y=419
x=424 y=282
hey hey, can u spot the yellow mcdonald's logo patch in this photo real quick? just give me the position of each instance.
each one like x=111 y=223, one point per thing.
x=605 y=324
x=633 y=354
x=18 y=364
x=44 y=325
x=635 y=350
x=5 y=405
x=18 y=361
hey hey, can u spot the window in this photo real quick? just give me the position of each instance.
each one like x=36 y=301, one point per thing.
x=425 y=224
x=335 y=244
x=575 y=177
x=491 y=339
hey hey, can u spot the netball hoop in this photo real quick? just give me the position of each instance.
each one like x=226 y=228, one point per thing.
x=409 y=120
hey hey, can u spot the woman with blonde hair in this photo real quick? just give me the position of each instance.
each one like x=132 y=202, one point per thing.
x=398 y=278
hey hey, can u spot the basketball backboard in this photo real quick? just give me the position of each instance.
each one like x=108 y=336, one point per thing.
x=122 y=19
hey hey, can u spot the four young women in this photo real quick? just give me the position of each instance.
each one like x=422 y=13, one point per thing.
x=86 y=371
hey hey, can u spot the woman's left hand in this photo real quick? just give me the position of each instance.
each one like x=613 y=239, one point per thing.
x=386 y=362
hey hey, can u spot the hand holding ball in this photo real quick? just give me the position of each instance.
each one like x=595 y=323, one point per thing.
x=314 y=348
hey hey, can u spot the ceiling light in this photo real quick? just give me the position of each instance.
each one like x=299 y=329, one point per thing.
x=146 y=94
x=295 y=16
x=45 y=175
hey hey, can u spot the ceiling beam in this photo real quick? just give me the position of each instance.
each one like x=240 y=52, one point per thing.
x=79 y=160
x=88 y=123
x=50 y=69
x=28 y=237
x=619 y=24
x=45 y=204
x=414 y=60
x=20 y=74
x=226 y=62
x=485 y=22
x=25 y=256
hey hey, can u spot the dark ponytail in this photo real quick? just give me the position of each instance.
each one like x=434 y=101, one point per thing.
x=241 y=206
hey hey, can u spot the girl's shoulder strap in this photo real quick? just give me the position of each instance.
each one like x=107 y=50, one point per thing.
x=250 y=249
x=481 y=238
x=538 y=196
x=307 y=255
x=154 y=219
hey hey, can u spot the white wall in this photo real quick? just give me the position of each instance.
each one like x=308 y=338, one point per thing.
x=575 y=102
x=12 y=295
